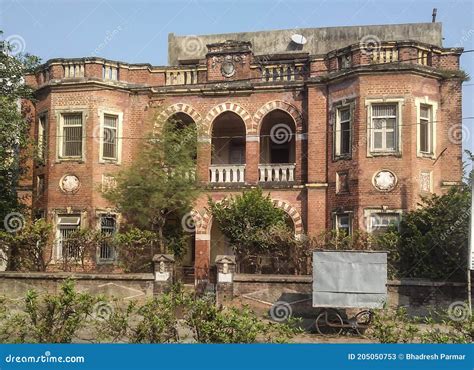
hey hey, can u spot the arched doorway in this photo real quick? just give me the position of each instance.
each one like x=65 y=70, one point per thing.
x=228 y=149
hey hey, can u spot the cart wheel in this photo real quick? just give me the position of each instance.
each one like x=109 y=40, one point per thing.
x=362 y=320
x=329 y=322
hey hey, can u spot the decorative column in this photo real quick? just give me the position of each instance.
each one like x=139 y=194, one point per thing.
x=225 y=278
x=164 y=272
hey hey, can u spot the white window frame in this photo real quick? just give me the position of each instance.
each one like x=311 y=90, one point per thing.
x=338 y=132
x=370 y=211
x=336 y=217
x=59 y=133
x=119 y=131
x=433 y=105
x=369 y=103
x=58 y=250
x=42 y=137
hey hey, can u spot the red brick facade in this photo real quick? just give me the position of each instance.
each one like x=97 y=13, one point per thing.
x=308 y=89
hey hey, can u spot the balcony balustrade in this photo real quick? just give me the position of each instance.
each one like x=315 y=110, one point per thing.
x=281 y=72
x=182 y=77
x=277 y=172
x=227 y=173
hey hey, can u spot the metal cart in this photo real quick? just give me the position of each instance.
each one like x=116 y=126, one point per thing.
x=348 y=280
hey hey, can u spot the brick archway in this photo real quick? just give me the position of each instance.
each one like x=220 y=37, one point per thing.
x=285 y=107
x=181 y=108
x=293 y=213
x=250 y=126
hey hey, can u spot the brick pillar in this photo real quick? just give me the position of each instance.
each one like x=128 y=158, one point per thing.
x=202 y=260
x=252 y=159
x=317 y=209
x=164 y=272
x=299 y=160
x=203 y=159
x=225 y=278
x=317 y=159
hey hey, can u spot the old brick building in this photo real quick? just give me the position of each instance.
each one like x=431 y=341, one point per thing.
x=345 y=127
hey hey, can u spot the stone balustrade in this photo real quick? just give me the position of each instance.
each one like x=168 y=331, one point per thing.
x=227 y=173
x=277 y=172
x=282 y=72
x=182 y=76
x=385 y=54
x=73 y=70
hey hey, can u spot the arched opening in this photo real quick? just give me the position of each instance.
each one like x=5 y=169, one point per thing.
x=228 y=149
x=277 y=147
x=181 y=121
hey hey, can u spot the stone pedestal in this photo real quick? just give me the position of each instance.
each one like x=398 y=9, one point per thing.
x=225 y=278
x=164 y=272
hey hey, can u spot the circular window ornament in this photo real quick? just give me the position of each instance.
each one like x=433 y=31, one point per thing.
x=228 y=68
x=384 y=180
x=69 y=183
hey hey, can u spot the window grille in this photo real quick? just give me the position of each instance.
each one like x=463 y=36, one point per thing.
x=109 y=150
x=72 y=135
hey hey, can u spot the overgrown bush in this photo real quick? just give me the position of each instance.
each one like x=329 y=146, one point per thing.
x=173 y=317
x=28 y=248
x=135 y=249
x=395 y=326
x=49 y=319
x=178 y=316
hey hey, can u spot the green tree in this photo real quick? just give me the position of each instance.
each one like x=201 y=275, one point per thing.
x=15 y=121
x=160 y=187
x=433 y=239
x=246 y=221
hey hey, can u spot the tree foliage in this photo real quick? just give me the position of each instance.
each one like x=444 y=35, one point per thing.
x=15 y=122
x=433 y=240
x=246 y=220
x=159 y=188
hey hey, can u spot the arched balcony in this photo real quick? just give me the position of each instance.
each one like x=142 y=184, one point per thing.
x=228 y=149
x=277 y=148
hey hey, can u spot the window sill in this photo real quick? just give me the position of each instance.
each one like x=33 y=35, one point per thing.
x=426 y=155
x=342 y=157
x=109 y=161
x=78 y=160
x=385 y=154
